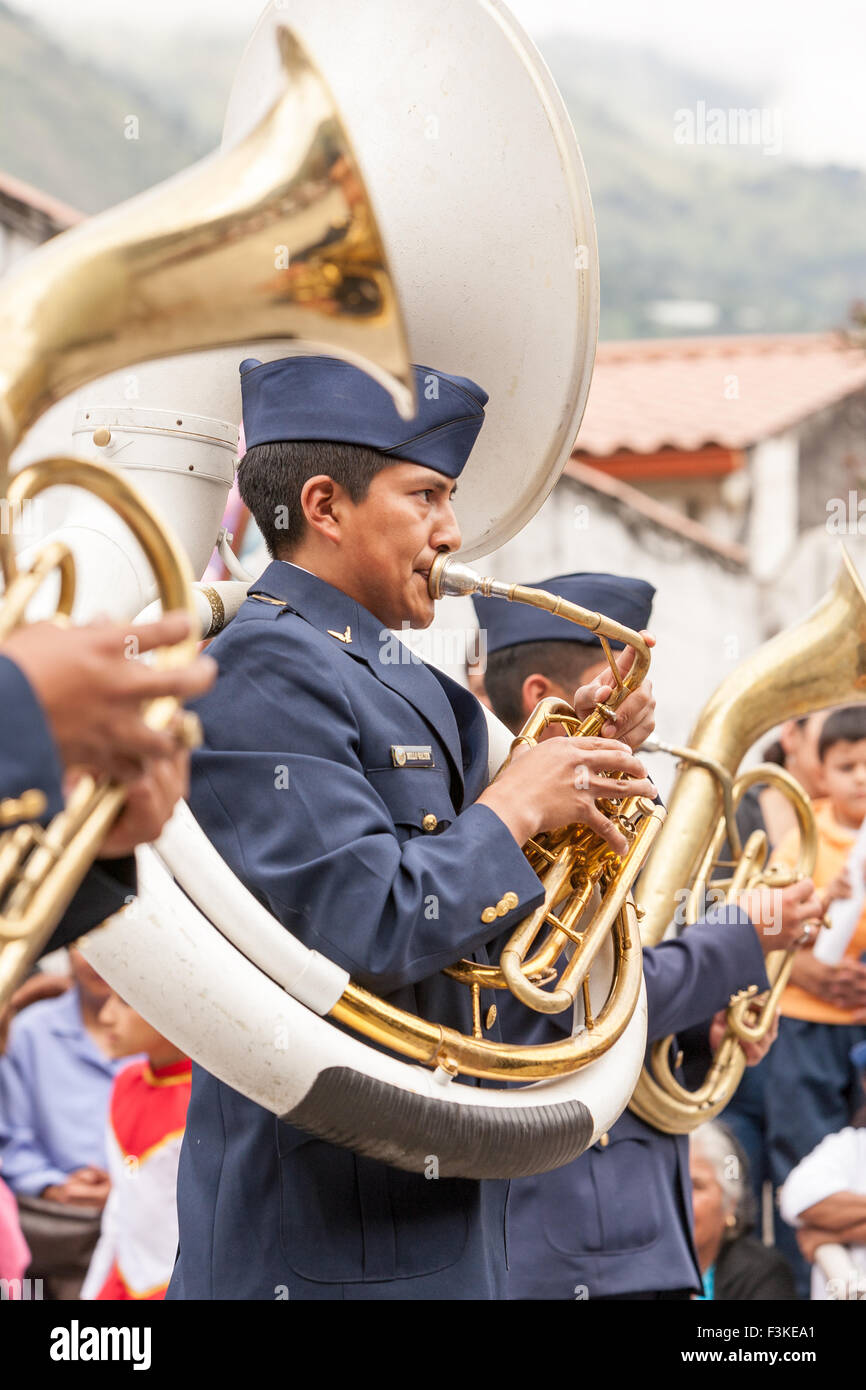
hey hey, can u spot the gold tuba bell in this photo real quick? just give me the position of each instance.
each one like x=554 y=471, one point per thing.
x=274 y=238
x=819 y=662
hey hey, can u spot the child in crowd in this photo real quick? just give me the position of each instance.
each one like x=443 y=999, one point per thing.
x=147 y=1114
x=812 y=1085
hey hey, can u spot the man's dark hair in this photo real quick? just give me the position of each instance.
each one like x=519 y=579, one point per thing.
x=846 y=725
x=271 y=478
x=507 y=669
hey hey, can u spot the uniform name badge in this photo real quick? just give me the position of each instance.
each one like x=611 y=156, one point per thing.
x=412 y=755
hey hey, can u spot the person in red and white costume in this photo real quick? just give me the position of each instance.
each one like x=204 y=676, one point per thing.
x=147 y=1115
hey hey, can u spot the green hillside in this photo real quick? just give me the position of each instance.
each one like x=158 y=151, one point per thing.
x=776 y=246
x=62 y=123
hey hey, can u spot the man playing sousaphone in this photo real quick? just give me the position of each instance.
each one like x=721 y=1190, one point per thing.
x=348 y=792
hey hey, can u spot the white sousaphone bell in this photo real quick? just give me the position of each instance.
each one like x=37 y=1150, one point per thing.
x=471 y=164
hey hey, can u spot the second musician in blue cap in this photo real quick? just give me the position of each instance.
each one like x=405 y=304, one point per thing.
x=616 y=1222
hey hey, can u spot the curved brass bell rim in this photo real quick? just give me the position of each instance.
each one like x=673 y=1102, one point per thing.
x=41 y=869
x=817 y=663
x=572 y=862
x=274 y=238
x=659 y=1097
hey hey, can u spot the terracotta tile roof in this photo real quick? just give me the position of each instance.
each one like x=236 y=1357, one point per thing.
x=60 y=213
x=685 y=393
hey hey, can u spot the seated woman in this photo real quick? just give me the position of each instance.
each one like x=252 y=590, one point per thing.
x=734 y=1264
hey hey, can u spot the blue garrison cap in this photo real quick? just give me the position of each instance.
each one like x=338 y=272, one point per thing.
x=627 y=601
x=323 y=398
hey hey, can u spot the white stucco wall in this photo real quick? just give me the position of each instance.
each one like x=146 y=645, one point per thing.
x=773 y=515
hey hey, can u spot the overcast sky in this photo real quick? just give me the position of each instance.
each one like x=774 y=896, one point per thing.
x=809 y=59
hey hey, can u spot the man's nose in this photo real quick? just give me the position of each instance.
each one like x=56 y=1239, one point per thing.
x=446 y=533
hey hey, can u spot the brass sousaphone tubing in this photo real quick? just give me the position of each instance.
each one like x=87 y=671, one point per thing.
x=817 y=663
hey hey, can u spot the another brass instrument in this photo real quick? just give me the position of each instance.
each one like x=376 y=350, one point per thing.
x=573 y=862
x=42 y=868
x=274 y=238
x=820 y=662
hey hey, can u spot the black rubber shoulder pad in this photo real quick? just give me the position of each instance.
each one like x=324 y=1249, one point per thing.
x=468 y=1141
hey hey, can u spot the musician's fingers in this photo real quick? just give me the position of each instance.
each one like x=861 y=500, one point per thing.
x=637 y=713
x=619 y=790
x=591 y=816
x=166 y=631
x=599 y=690
x=594 y=743
x=614 y=758
x=181 y=682
x=801 y=890
x=625 y=658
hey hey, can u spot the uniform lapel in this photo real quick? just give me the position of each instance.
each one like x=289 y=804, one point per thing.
x=360 y=635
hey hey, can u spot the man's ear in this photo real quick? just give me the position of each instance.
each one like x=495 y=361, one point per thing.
x=537 y=687
x=321 y=503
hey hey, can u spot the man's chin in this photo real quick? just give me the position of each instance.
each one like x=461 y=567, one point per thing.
x=414 y=622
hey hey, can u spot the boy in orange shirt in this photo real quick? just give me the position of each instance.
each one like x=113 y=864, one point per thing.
x=812 y=1086
x=146 y=1119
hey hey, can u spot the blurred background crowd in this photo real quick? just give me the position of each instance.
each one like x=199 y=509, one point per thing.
x=721 y=458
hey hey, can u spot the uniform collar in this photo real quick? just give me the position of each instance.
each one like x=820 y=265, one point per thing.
x=323 y=606
x=355 y=631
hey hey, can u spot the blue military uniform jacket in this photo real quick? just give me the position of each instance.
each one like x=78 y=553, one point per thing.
x=618 y=1219
x=384 y=868
x=29 y=759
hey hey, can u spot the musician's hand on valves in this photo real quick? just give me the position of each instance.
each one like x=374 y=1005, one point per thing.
x=558 y=781
x=634 y=721
x=149 y=803
x=92 y=691
x=754 y=1052
x=784 y=917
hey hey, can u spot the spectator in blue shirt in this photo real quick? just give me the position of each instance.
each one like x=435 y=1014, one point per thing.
x=55 y=1082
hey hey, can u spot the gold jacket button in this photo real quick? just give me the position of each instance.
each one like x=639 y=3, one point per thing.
x=429 y=822
x=491 y=1017
x=506 y=903
x=489 y=914
x=604 y=1140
